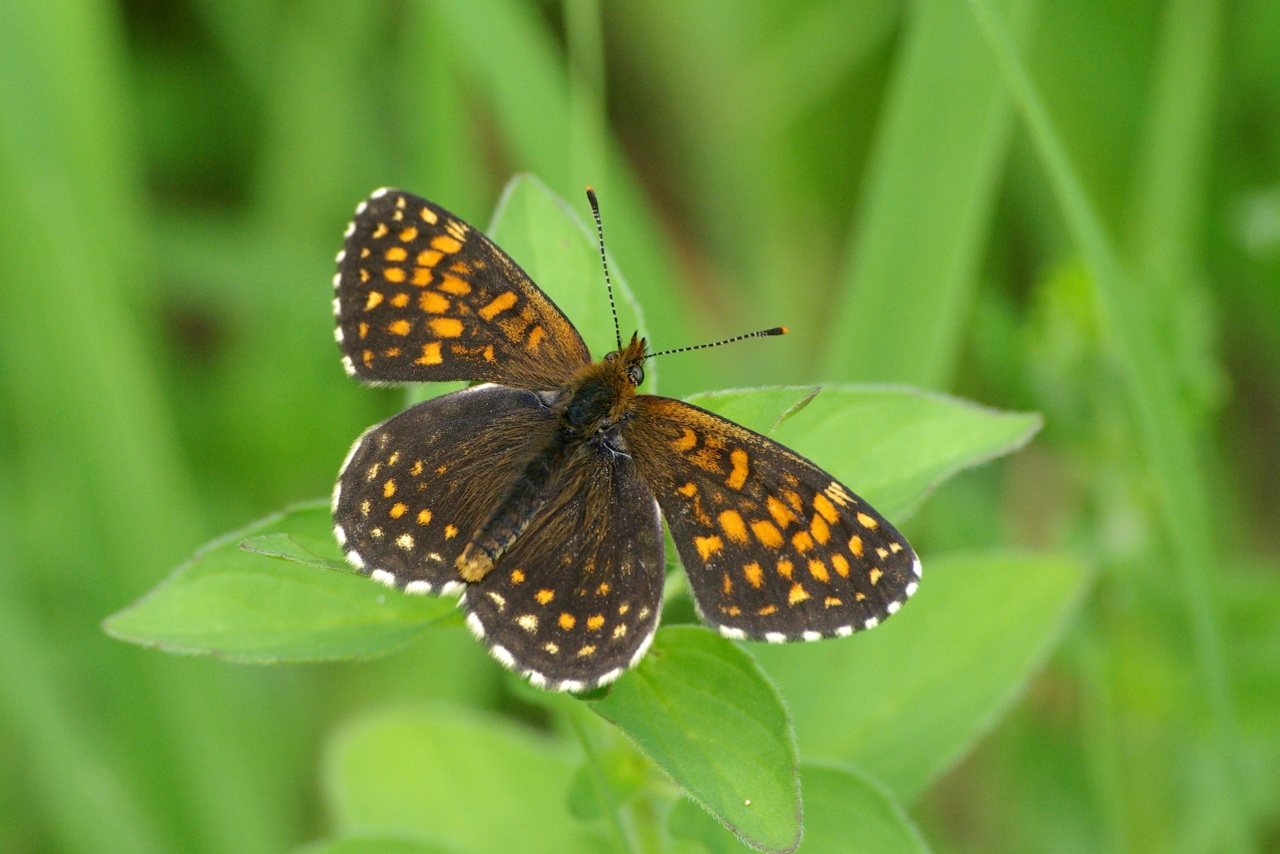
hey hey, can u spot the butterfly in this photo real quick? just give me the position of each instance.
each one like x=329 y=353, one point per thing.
x=538 y=492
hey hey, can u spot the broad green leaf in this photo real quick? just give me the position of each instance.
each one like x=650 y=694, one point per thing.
x=373 y=844
x=288 y=547
x=892 y=446
x=700 y=708
x=844 y=811
x=759 y=409
x=252 y=607
x=465 y=780
x=906 y=699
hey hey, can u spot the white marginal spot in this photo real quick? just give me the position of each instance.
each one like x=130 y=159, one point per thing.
x=340 y=535
x=872 y=623
x=536 y=679
x=337 y=307
x=893 y=607
x=337 y=280
x=503 y=656
x=353 y=558
x=351 y=226
x=418 y=588
x=337 y=496
x=611 y=676
x=915 y=567
x=911 y=589
x=572 y=686
x=732 y=633
x=473 y=623
x=844 y=631
x=342 y=253
x=337 y=334
x=497 y=599
x=451 y=587
x=812 y=636
x=355 y=446
x=379 y=193
x=362 y=207
x=383 y=577
x=644 y=647
x=775 y=637
x=348 y=367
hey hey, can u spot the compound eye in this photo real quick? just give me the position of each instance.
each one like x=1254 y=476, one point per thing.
x=635 y=373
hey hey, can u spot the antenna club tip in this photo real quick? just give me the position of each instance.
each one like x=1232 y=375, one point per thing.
x=779 y=330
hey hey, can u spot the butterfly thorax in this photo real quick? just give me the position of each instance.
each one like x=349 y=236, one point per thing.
x=590 y=410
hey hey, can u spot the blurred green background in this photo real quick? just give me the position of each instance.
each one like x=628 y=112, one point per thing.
x=1091 y=231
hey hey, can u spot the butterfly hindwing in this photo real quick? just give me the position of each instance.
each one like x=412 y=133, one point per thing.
x=417 y=485
x=774 y=547
x=576 y=600
x=422 y=296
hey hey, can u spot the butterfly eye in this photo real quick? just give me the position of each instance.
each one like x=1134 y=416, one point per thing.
x=635 y=373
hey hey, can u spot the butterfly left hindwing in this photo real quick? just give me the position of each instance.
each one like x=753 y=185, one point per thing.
x=774 y=547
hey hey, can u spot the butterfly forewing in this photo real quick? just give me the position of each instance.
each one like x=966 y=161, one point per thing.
x=416 y=486
x=576 y=599
x=422 y=296
x=774 y=547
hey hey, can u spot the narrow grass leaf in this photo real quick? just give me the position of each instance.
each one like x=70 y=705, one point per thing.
x=702 y=710
x=906 y=699
x=252 y=607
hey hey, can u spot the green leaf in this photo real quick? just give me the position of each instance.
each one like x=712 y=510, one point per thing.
x=702 y=710
x=844 y=811
x=905 y=700
x=373 y=844
x=248 y=606
x=759 y=409
x=465 y=780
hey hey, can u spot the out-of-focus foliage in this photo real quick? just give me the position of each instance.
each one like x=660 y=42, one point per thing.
x=1066 y=208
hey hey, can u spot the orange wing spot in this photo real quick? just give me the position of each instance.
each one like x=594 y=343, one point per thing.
x=372 y=302
x=421 y=276
x=732 y=610
x=450 y=532
x=544 y=596
x=393 y=274
x=446 y=243
x=365 y=507
x=460 y=268
x=767 y=610
x=825 y=507
x=399 y=327
x=567 y=621
x=707 y=546
x=884 y=553
x=497 y=305
x=428 y=216
x=855 y=545
x=867 y=521
x=603 y=589
x=430 y=354
x=687 y=441
x=841 y=565
x=754 y=574
x=381 y=230
x=400 y=300
x=400 y=202
x=832 y=602
x=517 y=576
x=818 y=570
x=875 y=575
x=738 y=476
x=446 y=327
x=895 y=547
x=365 y=253
x=802 y=541
x=432 y=303
x=586 y=651
x=780 y=512
x=416 y=468
x=391 y=352
x=623 y=609
x=728 y=585
x=429 y=257
x=388 y=489
x=409 y=234
x=488 y=353
x=595 y=622
x=364 y=329
x=766 y=533
x=785 y=568
x=793 y=499
x=454 y=285
x=733 y=526
x=424 y=516
x=364 y=275
x=398 y=509
x=861 y=597
x=396 y=253
x=367 y=358
x=688 y=490
x=536 y=334
x=818 y=527
x=798 y=594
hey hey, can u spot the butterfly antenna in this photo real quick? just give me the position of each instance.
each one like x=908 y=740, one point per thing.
x=763 y=333
x=595 y=212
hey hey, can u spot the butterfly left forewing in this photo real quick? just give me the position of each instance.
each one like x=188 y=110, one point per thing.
x=421 y=296
x=775 y=548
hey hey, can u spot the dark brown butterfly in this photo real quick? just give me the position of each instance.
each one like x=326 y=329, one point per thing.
x=538 y=494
